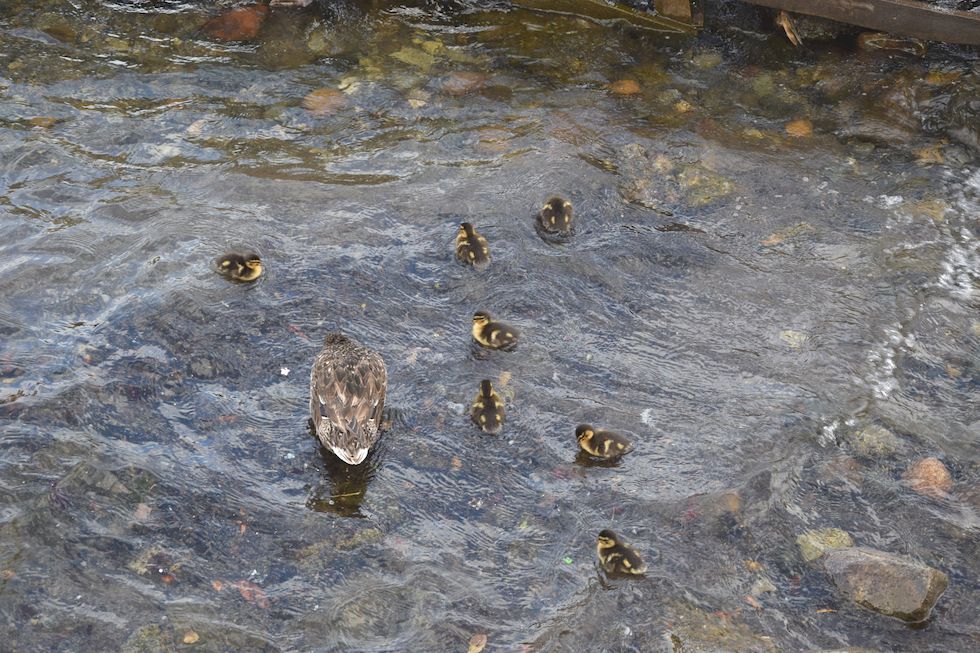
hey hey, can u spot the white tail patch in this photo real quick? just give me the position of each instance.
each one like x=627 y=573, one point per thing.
x=351 y=458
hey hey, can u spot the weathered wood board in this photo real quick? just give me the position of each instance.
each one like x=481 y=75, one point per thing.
x=688 y=11
x=903 y=17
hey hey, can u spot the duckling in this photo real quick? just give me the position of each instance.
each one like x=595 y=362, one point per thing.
x=471 y=247
x=617 y=557
x=240 y=266
x=602 y=444
x=555 y=217
x=347 y=397
x=493 y=335
x=488 y=409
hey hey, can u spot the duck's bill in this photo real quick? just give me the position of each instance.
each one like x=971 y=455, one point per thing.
x=355 y=457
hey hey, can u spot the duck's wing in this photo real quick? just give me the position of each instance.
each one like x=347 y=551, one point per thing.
x=349 y=393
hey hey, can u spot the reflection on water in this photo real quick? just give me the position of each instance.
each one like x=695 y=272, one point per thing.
x=772 y=288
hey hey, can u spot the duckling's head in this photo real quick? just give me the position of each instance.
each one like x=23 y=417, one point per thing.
x=486 y=388
x=466 y=229
x=607 y=538
x=253 y=268
x=481 y=318
x=584 y=432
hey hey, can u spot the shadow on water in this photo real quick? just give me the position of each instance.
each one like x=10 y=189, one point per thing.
x=772 y=287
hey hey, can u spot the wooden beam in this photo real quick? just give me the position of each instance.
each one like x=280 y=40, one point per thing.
x=601 y=11
x=903 y=17
x=686 y=11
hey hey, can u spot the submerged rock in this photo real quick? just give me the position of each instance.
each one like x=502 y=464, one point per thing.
x=625 y=87
x=694 y=630
x=929 y=477
x=893 y=585
x=462 y=82
x=813 y=544
x=238 y=23
x=702 y=186
x=151 y=638
x=873 y=441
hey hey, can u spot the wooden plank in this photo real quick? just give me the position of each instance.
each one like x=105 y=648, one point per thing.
x=602 y=11
x=686 y=11
x=903 y=17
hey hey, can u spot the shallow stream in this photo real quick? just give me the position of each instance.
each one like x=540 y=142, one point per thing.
x=776 y=254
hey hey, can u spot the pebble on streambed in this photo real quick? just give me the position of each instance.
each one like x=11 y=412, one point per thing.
x=929 y=477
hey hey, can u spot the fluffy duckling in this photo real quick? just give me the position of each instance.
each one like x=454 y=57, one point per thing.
x=488 y=409
x=493 y=335
x=347 y=397
x=616 y=557
x=240 y=266
x=601 y=444
x=555 y=217
x=471 y=247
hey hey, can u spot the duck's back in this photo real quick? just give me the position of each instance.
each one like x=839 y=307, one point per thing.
x=347 y=394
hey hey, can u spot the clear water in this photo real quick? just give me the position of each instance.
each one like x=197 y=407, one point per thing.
x=740 y=301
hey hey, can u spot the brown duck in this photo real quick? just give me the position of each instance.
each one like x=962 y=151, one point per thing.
x=347 y=397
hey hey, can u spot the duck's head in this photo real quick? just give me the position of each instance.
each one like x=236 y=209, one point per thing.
x=466 y=229
x=607 y=539
x=486 y=388
x=481 y=318
x=584 y=432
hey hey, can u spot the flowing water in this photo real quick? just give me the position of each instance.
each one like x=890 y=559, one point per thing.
x=776 y=253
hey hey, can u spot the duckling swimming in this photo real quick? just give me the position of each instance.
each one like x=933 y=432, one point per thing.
x=347 y=397
x=493 y=335
x=471 y=247
x=555 y=217
x=602 y=444
x=488 y=409
x=240 y=266
x=617 y=557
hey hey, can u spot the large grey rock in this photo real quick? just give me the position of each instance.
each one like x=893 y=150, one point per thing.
x=894 y=585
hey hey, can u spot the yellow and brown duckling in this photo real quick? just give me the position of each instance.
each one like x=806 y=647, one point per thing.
x=616 y=557
x=555 y=217
x=471 y=247
x=601 y=444
x=487 y=411
x=240 y=266
x=492 y=334
x=347 y=397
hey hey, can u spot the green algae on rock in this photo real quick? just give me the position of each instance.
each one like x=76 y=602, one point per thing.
x=815 y=543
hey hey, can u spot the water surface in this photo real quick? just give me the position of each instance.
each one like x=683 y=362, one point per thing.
x=739 y=300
